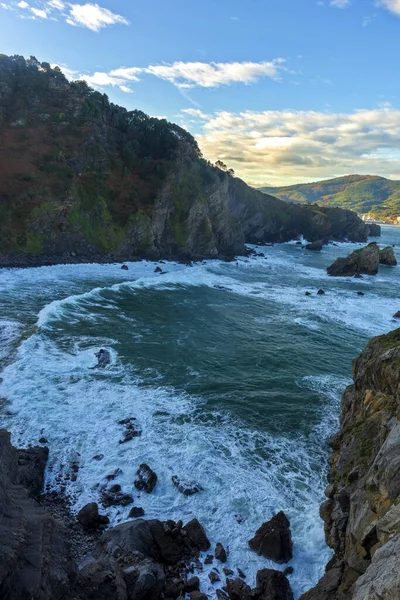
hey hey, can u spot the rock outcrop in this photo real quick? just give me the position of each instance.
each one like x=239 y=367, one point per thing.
x=362 y=510
x=273 y=539
x=88 y=181
x=387 y=257
x=365 y=260
x=374 y=230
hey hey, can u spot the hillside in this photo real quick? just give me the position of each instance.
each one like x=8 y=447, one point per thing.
x=364 y=194
x=84 y=179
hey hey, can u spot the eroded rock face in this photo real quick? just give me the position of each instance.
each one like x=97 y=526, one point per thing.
x=362 y=514
x=365 y=260
x=273 y=539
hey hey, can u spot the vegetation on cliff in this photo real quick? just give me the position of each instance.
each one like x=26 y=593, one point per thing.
x=365 y=194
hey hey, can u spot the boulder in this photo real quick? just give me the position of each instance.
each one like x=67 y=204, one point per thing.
x=273 y=539
x=308 y=293
x=316 y=246
x=387 y=257
x=136 y=512
x=125 y=267
x=397 y=315
x=238 y=589
x=374 y=230
x=188 y=488
x=273 y=585
x=220 y=553
x=90 y=518
x=197 y=535
x=365 y=260
x=320 y=293
x=115 y=497
x=158 y=270
x=146 y=478
x=31 y=468
x=214 y=577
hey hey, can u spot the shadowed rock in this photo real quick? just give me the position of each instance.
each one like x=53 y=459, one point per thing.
x=365 y=260
x=273 y=539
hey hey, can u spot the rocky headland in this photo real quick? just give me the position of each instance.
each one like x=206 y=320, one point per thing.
x=47 y=553
x=363 y=261
x=84 y=180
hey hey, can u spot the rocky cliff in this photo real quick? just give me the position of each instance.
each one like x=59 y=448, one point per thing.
x=84 y=179
x=362 y=510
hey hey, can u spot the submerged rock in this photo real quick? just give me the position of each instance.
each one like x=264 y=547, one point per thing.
x=387 y=257
x=146 y=478
x=365 y=260
x=273 y=539
x=188 y=488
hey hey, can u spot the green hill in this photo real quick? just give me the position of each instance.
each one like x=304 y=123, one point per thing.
x=365 y=194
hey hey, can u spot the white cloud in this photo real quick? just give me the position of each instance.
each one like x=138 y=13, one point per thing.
x=57 y=4
x=23 y=4
x=42 y=14
x=340 y=3
x=99 y=80
x=211 y=75
x=195 y=112
x=130 y=74
x=93 y=16
x=125 y=89
x=392 y=5
x=284 y=147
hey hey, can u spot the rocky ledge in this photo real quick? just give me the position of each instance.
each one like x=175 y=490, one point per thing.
x=362 y=512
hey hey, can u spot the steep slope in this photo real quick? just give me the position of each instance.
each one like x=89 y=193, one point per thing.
x=365 y=194
x=84 y=179
x=362 y=513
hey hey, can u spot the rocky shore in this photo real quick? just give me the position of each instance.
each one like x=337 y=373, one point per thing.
x=47 y=553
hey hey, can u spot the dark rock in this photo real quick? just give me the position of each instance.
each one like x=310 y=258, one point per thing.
x=98 y=457
x=103 y=358
x=114 y=497
x=125 y=267
x=273 y=539
x=158 y=270
x=320 y=293
x=209 y=559
x=387 y=257
x=90 y=518
x=31 y=468
x=308 y=293
x=146 y=478
x=132 y=429
x=374 y=230
x=358 y=276
x=197 y=535
x=191 y=585
x=241 y=574
x=214 y=577
x=188 y=488
x=228 y=572
x=273 y=585
x=136 y=512
x=397 y=315
x=112 y=476
x=288 y=571
x=316 y=246
x=198 y=596
x=221 y=595
x=360 y=293
x=238 y=589
x=220 y=553
x=365 y=260
x=43 y=440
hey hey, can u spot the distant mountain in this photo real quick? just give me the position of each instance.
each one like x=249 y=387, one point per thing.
x=365 y=194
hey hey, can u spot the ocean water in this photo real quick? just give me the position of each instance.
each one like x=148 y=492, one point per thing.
x=233 y=374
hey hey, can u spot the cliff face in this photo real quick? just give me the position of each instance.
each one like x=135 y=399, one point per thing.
x=84 y=179
x=362 y=512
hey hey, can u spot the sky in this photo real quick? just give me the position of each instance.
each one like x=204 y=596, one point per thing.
x=282 y=91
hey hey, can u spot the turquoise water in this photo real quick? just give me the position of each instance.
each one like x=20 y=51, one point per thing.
x=237 y=388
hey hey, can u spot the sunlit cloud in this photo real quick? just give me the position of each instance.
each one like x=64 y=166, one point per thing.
x=283 y=147
x=392 y=5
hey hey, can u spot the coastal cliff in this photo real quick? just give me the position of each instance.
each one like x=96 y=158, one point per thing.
x=362 y=512
x=85 y=180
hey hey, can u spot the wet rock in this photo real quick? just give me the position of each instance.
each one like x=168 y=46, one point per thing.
x=158 y=270
x=98 y=457
x=125 y=267
x=241 y=574
x=220 y=553
x=365 y=260
x=308 y=293
x=90 y=518
x=360 y=293
x=214 y=577
x=191 y=585
x=316 y=246
x=146 y=478
x=209 y=559
x=31 y=468
x=113 y=475
x=43 y=440
x=273 y=585
x=188 y=488
x=320 y=293
x=136 y=512
x=114 y=497
x=238 y=589
x=397 y=315
x=387 y=257
x=273 y=539
x=358 y=276
x=103 y=358
x=374 y=230
x=132 y=429
x=288 y=571
x=198 y=596
x=228 y=572
x=197 y=535
x=221 y=595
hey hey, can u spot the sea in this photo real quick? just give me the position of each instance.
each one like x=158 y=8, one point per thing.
x=232 y=372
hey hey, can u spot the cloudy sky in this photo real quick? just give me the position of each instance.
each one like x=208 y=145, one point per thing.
x=283 y=91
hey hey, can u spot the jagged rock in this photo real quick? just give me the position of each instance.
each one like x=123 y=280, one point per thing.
x=209 y=559
x=132 y=429
x=374 y=229
x=125 y=267
x=320 y=293
x=31 y=467
x=241 y=574
x=114 y=497
x=316 y=246
x=397 y=315
x=308 y=293
x=198 y=596
x=220 y=553
x=365 y=260
x=387 y=257
x=43 y=440
x=197 y=535
x=227 y=572
x=214 y=577
x=136 y=512
x=90 y=518
x=191 y=585
x=238 y=589
x=103 y=358
x=146 y=478
x=188 y=488
x=273 y=585
x=273 y=539
x=158 y=270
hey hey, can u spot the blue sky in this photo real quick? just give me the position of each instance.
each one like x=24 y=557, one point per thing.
x=283 y=91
